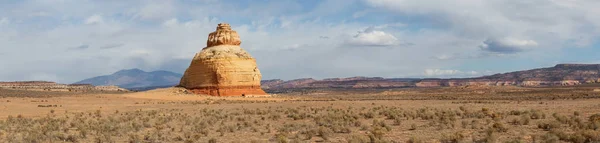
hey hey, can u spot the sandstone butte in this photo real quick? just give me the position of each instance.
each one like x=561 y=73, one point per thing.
x=223 y=68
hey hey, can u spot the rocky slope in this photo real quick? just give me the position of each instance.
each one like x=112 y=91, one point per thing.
x=559 y=75
x=135 y=78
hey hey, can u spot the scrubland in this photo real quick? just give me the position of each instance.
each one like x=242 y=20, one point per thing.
x=444 y=115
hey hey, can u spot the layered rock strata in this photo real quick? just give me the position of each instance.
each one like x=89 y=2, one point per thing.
x=223 y=68
x=559 y=75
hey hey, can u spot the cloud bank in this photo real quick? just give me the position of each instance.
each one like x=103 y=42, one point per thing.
x=69 y=40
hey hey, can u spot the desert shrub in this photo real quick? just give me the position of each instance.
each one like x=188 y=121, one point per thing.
x=376 y=134
x=325 y=133
x=485 y=110
x=357 y=139
x=281 y=138
x=547 y=138
x=583 y=136
x=393 y=113
x=499 y=127
x=547 y=126
x=515 y=141
x=465 y=124
x=413 y=127
x=381 y=124
x=298 y=116
x=515 y=112
x=594 y=118
x=536 y=114
x=71 y=138
x=308 y=133
x=576 y=113
x=134 y=138
x=342 y=119
x=522 y=120
x=577 y=123
x=103 y=138
x=397 y=121
x=490 y=137
x=212 y=140
x=476 y=124
x=589 y=135
x=452 y=138
x=367 y=115
x=561 y=118
x=415 y=140
x=275 y=117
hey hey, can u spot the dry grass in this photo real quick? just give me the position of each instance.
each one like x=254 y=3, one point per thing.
x=326 y=118
x=301 y=124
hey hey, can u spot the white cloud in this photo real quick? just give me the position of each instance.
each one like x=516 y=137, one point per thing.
x=452 y=73
x=446 y=56
x=293 y=46
x=373 y=37
x=285 y=35
x=157 y=10
x=551 y=23
x=473 y=72
x=171 y=22
x=507 y=45
x=94 y=19
x=440 y=72
x=4 y=21
x=360 y=14
x=39 y=14
x=390 y=25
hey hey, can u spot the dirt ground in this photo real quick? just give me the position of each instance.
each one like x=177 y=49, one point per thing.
x=457 y=114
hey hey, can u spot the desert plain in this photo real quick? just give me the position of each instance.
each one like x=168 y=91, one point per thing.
x=445 y=114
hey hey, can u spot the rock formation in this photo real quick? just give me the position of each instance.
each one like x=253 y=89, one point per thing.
x=223 y=68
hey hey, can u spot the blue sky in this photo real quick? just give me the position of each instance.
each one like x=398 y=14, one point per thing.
x=69 y=40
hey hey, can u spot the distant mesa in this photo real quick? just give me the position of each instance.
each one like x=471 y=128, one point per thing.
x=223 y=68
x=559 y=75
x=135 y=79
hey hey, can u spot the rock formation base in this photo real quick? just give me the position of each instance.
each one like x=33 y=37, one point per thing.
x=230 y=91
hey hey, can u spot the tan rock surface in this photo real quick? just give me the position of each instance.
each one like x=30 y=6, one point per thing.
x=224 y=35
x=223 y=68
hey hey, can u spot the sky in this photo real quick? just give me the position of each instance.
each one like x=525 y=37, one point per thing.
x=70 y=40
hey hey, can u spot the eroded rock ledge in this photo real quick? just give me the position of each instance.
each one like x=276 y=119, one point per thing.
x=224 y=35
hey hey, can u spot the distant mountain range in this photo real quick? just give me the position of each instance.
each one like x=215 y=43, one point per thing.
x=559 y=75
x=136 y=79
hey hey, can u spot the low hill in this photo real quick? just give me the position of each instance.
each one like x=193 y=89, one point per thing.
x=135 y=79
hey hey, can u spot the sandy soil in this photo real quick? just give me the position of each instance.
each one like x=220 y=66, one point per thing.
x=174 y=99
x=168 y=97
